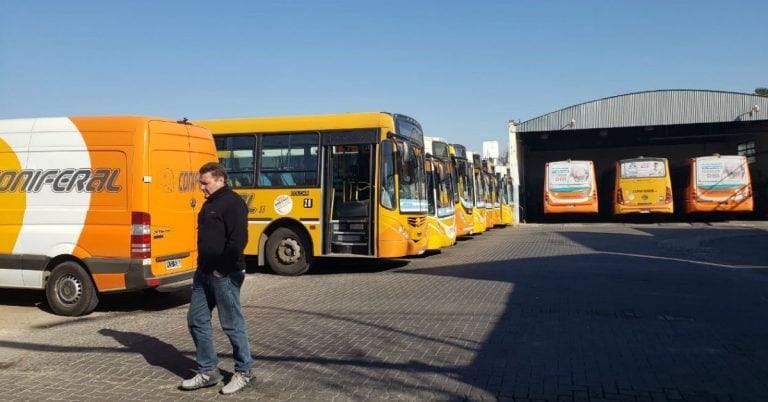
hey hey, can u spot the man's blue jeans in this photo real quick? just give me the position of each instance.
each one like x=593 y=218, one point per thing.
x=208 y=292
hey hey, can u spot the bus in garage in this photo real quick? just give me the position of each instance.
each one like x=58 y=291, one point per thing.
x=570 y=187
x=643 y=185
x=718 y=183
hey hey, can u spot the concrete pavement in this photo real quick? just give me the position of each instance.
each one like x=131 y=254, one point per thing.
x=581 y=312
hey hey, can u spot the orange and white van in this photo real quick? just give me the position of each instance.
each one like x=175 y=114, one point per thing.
x=99 y=204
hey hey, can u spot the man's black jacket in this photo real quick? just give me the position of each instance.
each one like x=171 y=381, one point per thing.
x=222 y=232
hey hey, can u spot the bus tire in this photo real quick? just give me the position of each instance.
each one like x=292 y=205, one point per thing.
x=70 y=290
x=286 y=253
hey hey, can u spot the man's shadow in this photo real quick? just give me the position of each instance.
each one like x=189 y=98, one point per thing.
x=154 y=351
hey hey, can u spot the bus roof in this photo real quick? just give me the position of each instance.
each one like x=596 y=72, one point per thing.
x=340 y=121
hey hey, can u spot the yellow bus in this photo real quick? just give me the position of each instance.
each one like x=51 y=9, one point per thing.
x=350 y=185
x=488 y=186
x=479 y=213
x=465 y=224
x=441 y=215
x=718 y=183
x=570 y=187
x=507 y=200
x=493 y=205
x=643 y=185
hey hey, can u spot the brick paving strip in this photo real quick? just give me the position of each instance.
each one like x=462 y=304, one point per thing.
x=539 y=312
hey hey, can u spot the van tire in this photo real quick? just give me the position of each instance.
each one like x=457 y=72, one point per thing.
x=70 y=290
x=286 y=253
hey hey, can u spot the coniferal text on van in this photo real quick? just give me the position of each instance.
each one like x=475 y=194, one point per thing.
x=98 y=204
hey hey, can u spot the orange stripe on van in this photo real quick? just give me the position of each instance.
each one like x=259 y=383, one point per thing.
x=14 y=202
x=108 y=221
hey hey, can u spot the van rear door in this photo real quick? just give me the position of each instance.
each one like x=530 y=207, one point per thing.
x=173 y=198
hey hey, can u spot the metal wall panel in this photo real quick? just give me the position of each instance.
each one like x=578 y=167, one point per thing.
x=653 y=108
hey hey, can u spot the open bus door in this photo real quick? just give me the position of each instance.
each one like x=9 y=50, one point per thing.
x=349 y=201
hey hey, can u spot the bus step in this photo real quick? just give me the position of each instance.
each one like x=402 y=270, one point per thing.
x=347 y=248
x=349 y=238
x=349 y=226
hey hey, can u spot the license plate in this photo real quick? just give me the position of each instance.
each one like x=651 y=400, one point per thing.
x=173 y=264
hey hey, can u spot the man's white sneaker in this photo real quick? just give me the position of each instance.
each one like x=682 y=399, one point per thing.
x=237 y=383
x=202 y=380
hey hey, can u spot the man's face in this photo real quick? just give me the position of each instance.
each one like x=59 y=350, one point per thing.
x=209 y=184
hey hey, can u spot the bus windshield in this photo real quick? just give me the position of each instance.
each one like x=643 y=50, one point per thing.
x=445 y=202
x=464 y=183
x=487 y=190
x=410 y=169
x=494 y=187
x=643 y=168
x=480 y=189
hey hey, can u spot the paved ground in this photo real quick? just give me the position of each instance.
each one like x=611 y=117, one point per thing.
x=591 y=312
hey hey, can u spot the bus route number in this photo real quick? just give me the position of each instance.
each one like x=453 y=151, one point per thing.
x=307 y=203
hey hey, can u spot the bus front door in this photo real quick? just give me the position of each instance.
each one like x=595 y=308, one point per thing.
x=348 y=194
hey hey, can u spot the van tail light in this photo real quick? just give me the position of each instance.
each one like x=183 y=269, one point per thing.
x=668 y=197
x=141 y=246
x=619 y=196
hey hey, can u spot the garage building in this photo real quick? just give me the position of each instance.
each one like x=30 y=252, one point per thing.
x=674 y=124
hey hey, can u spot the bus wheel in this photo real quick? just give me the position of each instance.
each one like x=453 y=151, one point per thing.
x=286 y=253
x=70 y=291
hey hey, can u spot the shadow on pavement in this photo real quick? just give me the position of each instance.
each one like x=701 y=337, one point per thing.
x=334 y=266
x=624 y=315
x=155 y=352
x=147 y=300
x=22 y=297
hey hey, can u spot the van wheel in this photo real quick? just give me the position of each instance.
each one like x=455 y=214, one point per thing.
x=70 y=291
x=286 y=253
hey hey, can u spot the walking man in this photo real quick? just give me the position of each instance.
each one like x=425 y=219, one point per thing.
x=221 y=237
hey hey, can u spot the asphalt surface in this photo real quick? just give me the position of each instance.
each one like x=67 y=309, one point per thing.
x=555 y=312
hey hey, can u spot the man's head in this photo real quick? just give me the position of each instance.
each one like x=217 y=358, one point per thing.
x=213 y=176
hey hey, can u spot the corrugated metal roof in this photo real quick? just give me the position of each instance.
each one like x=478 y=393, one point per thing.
x=653 y=108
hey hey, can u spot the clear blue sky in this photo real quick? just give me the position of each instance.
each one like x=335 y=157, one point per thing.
x=462 y=68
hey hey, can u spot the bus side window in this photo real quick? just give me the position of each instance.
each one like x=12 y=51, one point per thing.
x=289 y=159
x=264 y=181
x=236 y=153
x=287 y=179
